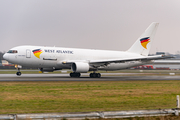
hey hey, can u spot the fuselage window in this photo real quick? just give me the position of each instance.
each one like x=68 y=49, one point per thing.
x=12 y=51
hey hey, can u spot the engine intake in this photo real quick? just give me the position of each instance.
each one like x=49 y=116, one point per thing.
x=80 y=67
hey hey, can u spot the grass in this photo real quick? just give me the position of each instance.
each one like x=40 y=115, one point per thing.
x=47 y=97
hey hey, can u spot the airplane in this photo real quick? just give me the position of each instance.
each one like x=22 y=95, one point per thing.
x=49 y=59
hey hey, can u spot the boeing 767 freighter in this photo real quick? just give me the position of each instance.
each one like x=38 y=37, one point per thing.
x=84 y=60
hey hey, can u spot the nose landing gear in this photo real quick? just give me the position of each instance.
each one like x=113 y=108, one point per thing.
x=18 y=68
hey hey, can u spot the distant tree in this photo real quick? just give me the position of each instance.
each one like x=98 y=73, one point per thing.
x=177 y=52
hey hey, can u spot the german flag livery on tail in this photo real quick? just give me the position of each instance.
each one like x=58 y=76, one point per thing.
x=144 y=42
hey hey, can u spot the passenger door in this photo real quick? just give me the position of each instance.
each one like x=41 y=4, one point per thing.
x=28 y=53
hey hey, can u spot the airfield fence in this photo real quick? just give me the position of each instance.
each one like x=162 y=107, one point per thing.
x=92 y=115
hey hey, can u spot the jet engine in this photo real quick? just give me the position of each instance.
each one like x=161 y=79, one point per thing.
x=80 y=67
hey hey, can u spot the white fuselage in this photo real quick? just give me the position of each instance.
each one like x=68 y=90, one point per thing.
x=84 y=60
x=55 y=57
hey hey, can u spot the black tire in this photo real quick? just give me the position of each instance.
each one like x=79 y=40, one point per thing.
x=94 y=75
x=18 y=73
x=91 y=75
x=98 y=75
x=71 y=74
x=78 y=74
x=75 y=74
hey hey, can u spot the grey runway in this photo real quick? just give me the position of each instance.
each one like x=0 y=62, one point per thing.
x=85 y=77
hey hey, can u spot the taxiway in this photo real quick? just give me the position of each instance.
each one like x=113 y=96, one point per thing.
x=85 y=77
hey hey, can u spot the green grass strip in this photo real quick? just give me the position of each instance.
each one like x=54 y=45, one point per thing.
x=46 y=97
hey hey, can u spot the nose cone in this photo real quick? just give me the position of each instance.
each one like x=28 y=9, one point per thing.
x=5 y=56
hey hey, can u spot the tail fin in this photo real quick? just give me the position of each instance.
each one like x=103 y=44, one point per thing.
x=143 y=43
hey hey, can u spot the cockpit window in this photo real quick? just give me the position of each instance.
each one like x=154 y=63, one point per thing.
x=12 y=51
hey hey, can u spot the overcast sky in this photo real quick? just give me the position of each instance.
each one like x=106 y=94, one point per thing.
x=96 y=24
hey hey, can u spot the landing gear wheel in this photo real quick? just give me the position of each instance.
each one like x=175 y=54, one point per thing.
x=18 y=73
x=98 y=75
x=75 y=74
x=91 y=75
x=95 y=75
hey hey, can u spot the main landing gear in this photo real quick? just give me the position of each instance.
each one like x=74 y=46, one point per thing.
x=95 y=75
x=91 y=75
x=74 y=74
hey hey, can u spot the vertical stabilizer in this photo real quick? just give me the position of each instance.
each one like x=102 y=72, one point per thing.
x=143 y=43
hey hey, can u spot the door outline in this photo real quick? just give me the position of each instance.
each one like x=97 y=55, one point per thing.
x=28 y=53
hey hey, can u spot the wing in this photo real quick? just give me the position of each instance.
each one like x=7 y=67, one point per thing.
x=143 y=58
x=121 y=60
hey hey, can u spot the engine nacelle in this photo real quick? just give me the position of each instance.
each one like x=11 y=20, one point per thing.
x=80 y=67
